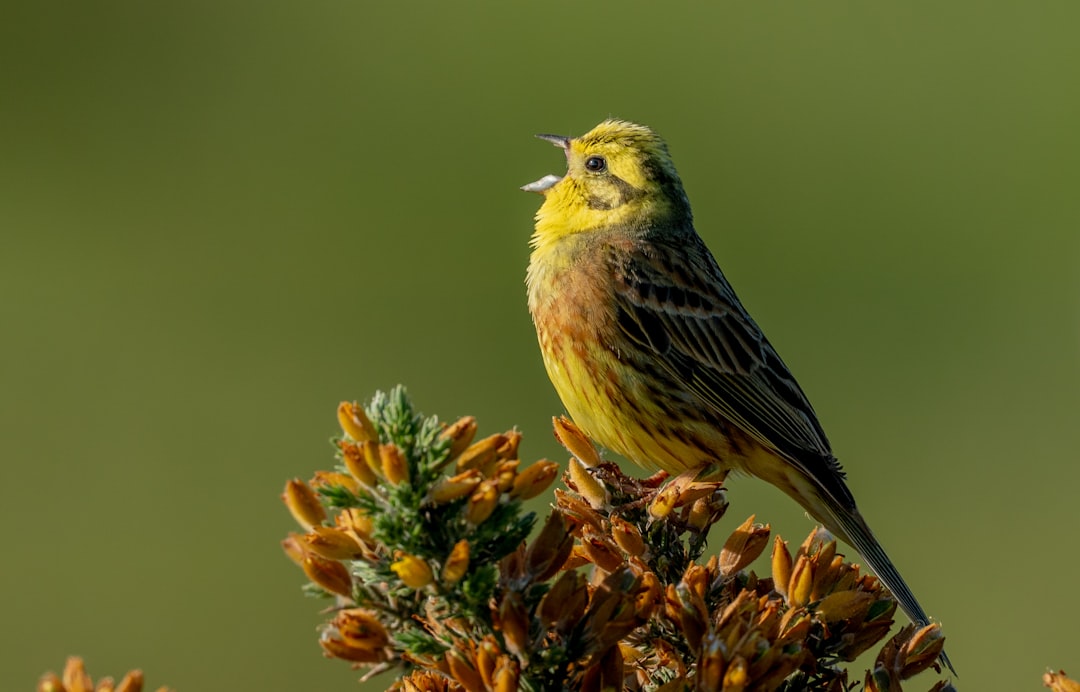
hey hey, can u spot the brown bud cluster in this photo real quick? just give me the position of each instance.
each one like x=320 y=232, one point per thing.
x=911 y=651
x=853 y=609
x=457 y=484
x=358 y=636
x=486 y=472
x=75 y=679
x=1059 y=682
x=482 y=666
x=718 y=626
x=426 y=681
x=579 y=621
x=613 y=592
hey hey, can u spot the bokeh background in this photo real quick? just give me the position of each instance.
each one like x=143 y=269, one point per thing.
x=218 y=219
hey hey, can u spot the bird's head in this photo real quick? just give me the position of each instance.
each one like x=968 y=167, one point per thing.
x=618 y=175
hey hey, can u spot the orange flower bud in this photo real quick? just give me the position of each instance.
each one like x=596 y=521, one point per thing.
x=457 y=563
x=330 y=479
x=294 y=548
x=672 y=606
x=460 y=433
x=462 y=670
x=768 y=620
x=844 y=605
x=482 y=502
x=1059 y=682
x=601 y=550
x=355 y=422
x=303 y=504
x=689 y=490
x=561 y=608
x=743 y=546
x=692 y=612
x=370 y=450
x=486 y=652
x=356 y=522
x=575 y=441
x=504 y=474
x=455 y=487
x=665 y=500
x=921 y=651
x=845 y=581
x=577 y=509
x=802 y=580
x=697 y=579
x=50 y=682
x=550 y=549
x=481 y=455
x=701 y=515
x=395 y=467
x=577 y=558
x=506 y=675
x=75 y=675
x=353 y=456
x=534 y=479
x=823 y=570
x=361 y=629
x=649 y=595
x=781 y=566
x=329 y=574
x=586 y=484
x=333 y=543
x=514 y=623
x=416 y=573
x=336 y=648
x=627 y=536
x=132 y=682
x=814 y=542
x=509 y=447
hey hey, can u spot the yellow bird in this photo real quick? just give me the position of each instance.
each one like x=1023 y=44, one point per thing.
x=650 y=350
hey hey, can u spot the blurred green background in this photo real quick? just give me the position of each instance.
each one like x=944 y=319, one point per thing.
x=218 y=219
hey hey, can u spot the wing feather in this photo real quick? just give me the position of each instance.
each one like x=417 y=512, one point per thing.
x=699 y=331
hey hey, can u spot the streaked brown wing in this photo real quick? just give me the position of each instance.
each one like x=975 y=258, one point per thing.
x=675 y=301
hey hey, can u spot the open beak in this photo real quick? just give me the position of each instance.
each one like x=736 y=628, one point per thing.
x=557 y=140
x=548 y=181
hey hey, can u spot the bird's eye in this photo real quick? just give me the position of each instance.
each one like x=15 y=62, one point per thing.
x=595 y=164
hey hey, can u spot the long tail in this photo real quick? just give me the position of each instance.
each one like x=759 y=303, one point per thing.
x=852 y=528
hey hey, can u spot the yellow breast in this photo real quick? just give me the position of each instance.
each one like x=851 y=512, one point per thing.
x=607 y=384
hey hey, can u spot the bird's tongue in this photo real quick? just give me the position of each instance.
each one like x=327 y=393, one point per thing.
x=542 y=185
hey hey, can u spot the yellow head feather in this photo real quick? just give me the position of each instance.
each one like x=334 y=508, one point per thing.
x=618 y=174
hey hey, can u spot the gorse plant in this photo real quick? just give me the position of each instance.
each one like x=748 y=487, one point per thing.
x=419 y=537
x=409 y=543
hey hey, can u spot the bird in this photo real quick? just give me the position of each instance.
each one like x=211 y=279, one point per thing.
x=652 y=353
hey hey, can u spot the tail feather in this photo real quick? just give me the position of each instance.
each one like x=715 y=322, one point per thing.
x=855 y=531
